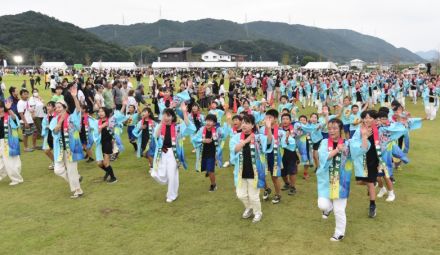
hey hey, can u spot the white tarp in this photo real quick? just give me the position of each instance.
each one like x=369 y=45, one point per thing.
x=187 y=65
x=53 y=66
x=320 y=66
x=114 y=65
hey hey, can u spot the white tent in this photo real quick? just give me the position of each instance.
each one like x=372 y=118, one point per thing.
x=187 y=65
x=114 y=65
x=320 y=66
x=53 y=66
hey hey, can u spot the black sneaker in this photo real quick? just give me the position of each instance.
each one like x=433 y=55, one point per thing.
x=292 y=191
x=372 y=211
x=106 y=177
x=213 y=188
x=276 y=199
x=266 y=193
x=112 y=180
x=90 y=160
x=285 y=187
x=336 y=238
x=326 y=214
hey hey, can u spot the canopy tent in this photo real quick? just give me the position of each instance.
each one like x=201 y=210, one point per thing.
x=187 y=65
x=53 y=66
x=114 y=65
x=320 y=66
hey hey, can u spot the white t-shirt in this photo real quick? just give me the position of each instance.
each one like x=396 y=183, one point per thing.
x=221 y=90
x=99 y=100
x=53 y=84
x=38 y=107
x=25 y=108
x=81 y=97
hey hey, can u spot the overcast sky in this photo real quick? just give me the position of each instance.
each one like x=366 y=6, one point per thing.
x=404 y=23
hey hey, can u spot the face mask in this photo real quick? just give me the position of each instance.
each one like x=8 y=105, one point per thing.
x=35 y=94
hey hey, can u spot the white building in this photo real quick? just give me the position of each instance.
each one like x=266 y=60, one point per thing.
x=359 y=64
x=216 y=56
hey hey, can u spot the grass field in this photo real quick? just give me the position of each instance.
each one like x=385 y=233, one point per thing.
x=131 y=217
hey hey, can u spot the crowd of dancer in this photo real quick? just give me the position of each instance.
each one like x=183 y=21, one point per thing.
x=356 y=123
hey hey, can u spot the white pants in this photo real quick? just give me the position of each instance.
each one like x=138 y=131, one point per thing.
x=338 y=207
x=375 y=96
x=413 y=95
x=167 y=173
x=318 y=104
x=269 y=96
x=249 y=195
x=69 y=172
x=9 y=166
x=430 y=111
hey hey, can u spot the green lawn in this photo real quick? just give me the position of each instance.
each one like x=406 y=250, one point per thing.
x=131 y=217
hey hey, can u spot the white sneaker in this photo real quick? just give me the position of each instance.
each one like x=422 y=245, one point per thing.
x=257 y=217
x=51 y=166
x=247 y=213
x=226 y=164
x=391 y=197
x=169 y=200
x=14 y=183
x=382 y=192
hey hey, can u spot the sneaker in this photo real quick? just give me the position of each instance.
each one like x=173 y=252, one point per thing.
x=106 y=177
x=336 y=238
x=382 y=192
x=112 y=180
x=28 y=150
x=14 y=183
x=248 y=212
x=257 y=217
x=292 y=191
x=51 y=167
x=77 y=195
x=266 y=193
x=372 y=211
x=213 y=188
x=326 y=214
x=169 y=200
x=276 y=199
x=285 y=187
x=226 y=164
x=391 y=197
x=90 y=160
x=306 y=177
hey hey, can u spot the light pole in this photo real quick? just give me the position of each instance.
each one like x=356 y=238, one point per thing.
x=18 y=60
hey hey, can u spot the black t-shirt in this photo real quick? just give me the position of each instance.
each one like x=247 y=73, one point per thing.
x=372 y=159
x=268 y=146
x=208 y=148
x=431 y=93
x=248 y=171
x=145 y=136
x=197 y=122
x=105 y=135
x=2 y=128
x=215 y=88
x=358 y=96
x=167 y=143
x=63 y=139
x=49 y=134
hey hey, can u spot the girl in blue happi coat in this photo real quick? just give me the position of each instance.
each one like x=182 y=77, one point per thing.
x=208 y=143
x=10 y=163
x=248 y=150
x=46 y=133
x=143 y=132
x=169 y=153
x=131 y=120
x=304 y=145
x=104 y=136
x=86 y=134
x=333 y=176
x=67 y=147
